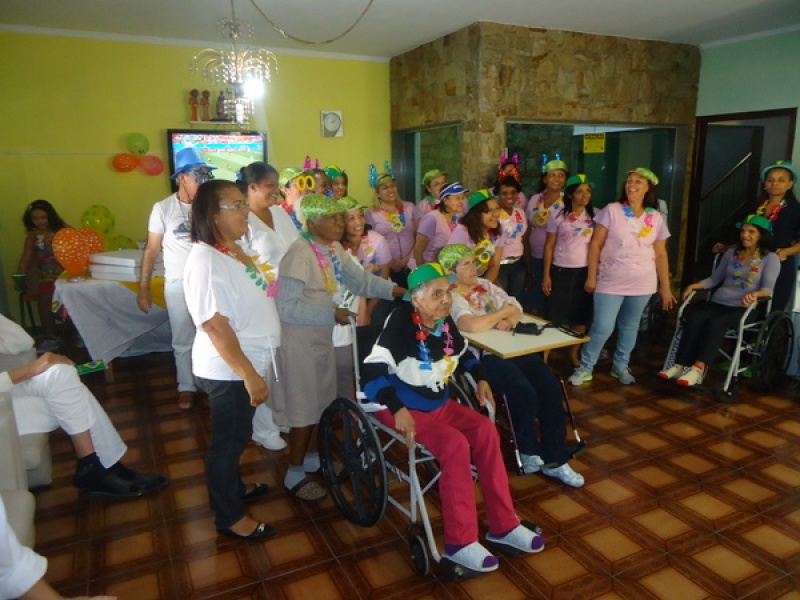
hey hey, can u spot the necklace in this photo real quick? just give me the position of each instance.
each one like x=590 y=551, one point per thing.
x=422 y=334
x=636 y=225
x=519 y=225
x=540 y=213
x=739 y=278
x=761 y=210
x=478 y=298
x=397 y=219
x=366 y=254
x=484 y=250
x=332 y=284
x=580 y=226
x=260 y=271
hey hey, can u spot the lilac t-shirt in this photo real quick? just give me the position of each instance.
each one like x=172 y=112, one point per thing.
x=514 y=227
x=537 y=216
x=401 y=243
x=436 y=227
x=426 y=205
x=572 y=239
x=461 y=236
x=628 y=259
x=373 y=252
x=738 y=280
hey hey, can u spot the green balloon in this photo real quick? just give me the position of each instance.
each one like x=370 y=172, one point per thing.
x=137 y=144
x=120 y=242
x=100 y=219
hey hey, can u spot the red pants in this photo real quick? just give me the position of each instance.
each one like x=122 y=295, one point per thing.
x=449 y=433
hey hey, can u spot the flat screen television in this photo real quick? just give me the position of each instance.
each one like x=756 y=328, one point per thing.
x=229 y=151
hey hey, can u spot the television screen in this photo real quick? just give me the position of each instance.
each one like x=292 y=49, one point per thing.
x=229 y=151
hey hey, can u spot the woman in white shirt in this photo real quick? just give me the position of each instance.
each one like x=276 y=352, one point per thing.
x=227 y=288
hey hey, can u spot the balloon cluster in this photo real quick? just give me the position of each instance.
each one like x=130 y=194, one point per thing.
x=137 y=156
x=72 y=248
x=99 y=219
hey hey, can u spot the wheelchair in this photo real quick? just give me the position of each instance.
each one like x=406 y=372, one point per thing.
x=761 y=347
x=360 y=458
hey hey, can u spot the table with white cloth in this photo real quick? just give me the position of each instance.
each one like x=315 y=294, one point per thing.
x=507 y=344
x=109 y=320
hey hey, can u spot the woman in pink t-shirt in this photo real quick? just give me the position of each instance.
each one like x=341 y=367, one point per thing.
x=397 y=222
x=514 y=224
x=432 y=183
x=540 y=206
x=627 y=263
x=480 y=229
x=437 y=226
x=566 y=259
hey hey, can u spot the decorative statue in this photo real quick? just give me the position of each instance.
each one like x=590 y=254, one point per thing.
x=221 y=106
x=193 y=103
x=204 y=104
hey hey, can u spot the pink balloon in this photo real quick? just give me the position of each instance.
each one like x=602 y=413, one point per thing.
x=152 y=165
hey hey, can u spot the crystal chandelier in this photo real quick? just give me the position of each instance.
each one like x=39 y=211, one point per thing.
x=236 y=67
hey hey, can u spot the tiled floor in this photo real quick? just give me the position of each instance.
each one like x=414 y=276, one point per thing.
x=684 y=498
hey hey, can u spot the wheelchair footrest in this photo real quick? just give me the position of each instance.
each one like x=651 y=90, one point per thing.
x=455 y=572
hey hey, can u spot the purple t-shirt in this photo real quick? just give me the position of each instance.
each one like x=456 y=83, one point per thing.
x=461 y=236
x=401 y=242
x=436 y=227
x=628 y=259
x=738 y=280
x=537 y=216
x=572 y=239
x=426 y=205
x=373 y=252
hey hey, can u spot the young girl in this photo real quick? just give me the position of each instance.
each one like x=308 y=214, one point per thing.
x=566 y=260
x=480 y=229
x=41 y=222
x=339 y=181
x=437 y=226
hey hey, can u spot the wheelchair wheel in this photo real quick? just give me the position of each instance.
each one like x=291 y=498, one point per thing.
x=773 y=350
x=349 y=443
x=419 y=555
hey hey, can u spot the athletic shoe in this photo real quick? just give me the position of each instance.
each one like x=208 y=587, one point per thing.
x=673 y=372
x=566 y=475
x=580 y=376
x=531 y=463
x=270 y=442
x=623 y=374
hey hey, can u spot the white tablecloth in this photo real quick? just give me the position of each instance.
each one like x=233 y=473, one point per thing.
x=109 y=320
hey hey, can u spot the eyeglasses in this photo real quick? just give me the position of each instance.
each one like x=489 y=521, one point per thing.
x=201 y=176
x=237 y=206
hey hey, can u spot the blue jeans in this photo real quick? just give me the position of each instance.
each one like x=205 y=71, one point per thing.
x=626 y=312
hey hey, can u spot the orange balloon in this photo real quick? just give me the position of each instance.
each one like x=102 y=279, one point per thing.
x=94 y=241
x=71 y=250
x=124 y=162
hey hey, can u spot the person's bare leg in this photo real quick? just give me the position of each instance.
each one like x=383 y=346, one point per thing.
x=82 y=442
x=300 y=441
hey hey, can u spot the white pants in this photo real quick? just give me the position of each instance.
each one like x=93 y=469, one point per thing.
x=263 y=423
x=183 y=331
x=20 y=567
x=57 y=398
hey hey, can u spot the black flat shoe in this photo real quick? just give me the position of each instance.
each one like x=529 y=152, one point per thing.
x=259 y=489
x=111 y=486
x=259 y=533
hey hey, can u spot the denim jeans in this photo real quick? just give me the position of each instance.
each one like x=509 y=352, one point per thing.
x=626 y=312
x=231 y=427
x=533 y=393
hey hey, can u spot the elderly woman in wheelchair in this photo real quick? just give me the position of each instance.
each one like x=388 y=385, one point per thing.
x=744 y=274
x=531 y=389
x=408 y=371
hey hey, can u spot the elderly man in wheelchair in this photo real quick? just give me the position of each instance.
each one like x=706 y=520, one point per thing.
x=744 y=275
x=408 y=371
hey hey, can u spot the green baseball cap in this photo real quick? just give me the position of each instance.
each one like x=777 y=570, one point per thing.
x=578 y=179
x=477 y=197
x=422 y=274
x=758 y=221
x=646 y=173
x=781 y=164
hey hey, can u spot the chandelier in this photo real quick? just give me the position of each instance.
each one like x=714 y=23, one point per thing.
x=242 y=70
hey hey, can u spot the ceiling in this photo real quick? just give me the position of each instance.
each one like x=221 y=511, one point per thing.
x=392 y=27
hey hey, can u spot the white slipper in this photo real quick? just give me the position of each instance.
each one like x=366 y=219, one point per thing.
x=472 y=556
x=520 y=538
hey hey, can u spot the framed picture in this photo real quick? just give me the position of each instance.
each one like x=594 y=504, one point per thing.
x=331 y=123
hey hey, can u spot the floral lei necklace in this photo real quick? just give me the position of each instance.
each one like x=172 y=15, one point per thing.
x=332 y=283
x=484 y=250
x=504 y=216
x=637 y=227
x=540 y=213
x=739 y=278
x=422 y=334
x=262 y=274
x=366 y=251
x=761 y=210
x=477 y=298
x=397 y=219
x=582 y=226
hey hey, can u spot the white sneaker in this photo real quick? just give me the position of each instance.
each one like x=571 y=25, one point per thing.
x=566 y=475
x=673 y=372
x=271 y=442
x=580 y=376
x=530 y=463
x=692 y=376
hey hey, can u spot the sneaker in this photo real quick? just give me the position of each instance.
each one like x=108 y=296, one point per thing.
x=270 y=442
x=566 y=475
x=623 y=374
x=692 y=376
x=530 y=463
x=519 y=538
x=673 y=372
x=580 y=376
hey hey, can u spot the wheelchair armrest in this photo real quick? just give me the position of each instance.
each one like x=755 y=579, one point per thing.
x=749 y=310
x=685 y=304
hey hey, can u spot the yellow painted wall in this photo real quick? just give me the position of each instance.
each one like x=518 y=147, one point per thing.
x=68 y=103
